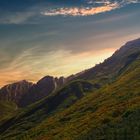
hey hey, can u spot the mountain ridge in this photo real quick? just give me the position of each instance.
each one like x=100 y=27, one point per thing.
x=102 y=73
x=101 y=99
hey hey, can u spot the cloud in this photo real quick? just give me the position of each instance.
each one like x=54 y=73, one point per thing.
x=94 y=7
x=98 y=1
x=131 y=1
x=33 y=12
x=83 y=11
x=57 y=63
x=16 y=18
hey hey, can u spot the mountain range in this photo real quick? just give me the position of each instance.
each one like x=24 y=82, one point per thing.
x=101 y=103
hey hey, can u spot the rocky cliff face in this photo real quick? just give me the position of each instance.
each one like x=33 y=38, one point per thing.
x=14 y=92
x=41 y=89
x=60 y=81
x=24 y=93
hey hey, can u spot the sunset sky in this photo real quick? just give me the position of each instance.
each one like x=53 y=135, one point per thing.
x=62 y=37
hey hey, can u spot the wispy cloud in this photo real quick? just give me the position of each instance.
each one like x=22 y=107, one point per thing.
x=16 y=18
x=32 y=68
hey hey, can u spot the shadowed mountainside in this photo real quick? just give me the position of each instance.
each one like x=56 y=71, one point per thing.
x=14 y=92
x=24 y=93
x=105 y=105
x=113 y=66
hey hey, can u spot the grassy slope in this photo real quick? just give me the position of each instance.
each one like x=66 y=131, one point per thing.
x=100 y=115
x=7 y=109
x=104 y=109
x=97 y=116
x=34 y=114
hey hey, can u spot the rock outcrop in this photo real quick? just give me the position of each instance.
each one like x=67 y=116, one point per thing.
x=15 y=92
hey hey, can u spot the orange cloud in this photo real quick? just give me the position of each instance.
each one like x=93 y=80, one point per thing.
x=83 y=11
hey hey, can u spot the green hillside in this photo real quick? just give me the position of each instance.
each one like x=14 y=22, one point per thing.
x=58 y=101
x=102 y=103
x=7 y=109
x=111 y=112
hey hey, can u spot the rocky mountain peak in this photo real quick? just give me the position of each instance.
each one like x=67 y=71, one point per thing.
x=15 y=91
